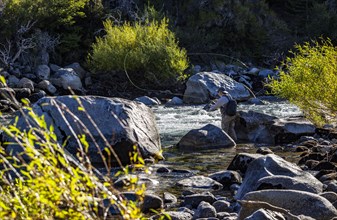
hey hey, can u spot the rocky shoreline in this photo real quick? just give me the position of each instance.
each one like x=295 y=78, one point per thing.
x=264 y=185
x=261 y=185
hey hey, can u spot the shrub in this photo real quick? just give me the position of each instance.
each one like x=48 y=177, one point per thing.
x=147 y=51
x=309 y=80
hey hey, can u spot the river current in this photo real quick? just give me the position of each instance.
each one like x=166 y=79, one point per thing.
x=174 y=122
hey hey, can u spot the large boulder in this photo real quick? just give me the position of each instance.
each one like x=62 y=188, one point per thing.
x=123 y=123
x=273 y=165
x=257 y=127
x=203 y=86
x=209 y=136
x=297 y=202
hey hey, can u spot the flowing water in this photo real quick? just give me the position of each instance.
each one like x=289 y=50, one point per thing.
x=175 y=122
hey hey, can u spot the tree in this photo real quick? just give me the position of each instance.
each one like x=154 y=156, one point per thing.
x=309 y=80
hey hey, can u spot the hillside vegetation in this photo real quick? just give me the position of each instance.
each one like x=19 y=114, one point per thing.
x=260 y=32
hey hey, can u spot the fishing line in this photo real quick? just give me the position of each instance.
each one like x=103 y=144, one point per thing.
x=178 y=94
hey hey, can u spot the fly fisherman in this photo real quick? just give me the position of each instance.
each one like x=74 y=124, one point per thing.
x=228 y=112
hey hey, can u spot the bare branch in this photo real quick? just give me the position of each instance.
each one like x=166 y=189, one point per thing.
x=25 y=28
x=5 y=53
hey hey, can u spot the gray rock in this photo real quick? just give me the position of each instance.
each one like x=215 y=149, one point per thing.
x=195 y=199
x=331 y=196
x=204 y=210
x=170 y=198
x=222 y=206
x=265 y=214
x=209 y=136
x=254 y=127
x=148 y=101
x=286 y=182
x=332 y=186
x=37 y=96
x=222 y=215
x=264 y=150
x=241 y=161
x=47 y=86
x=163 y=170
x=123 y=123
x=203 y=86
x=26 y=83
x=30 y=76
x=271 y=165
x=175 y=215
x=54 y=68
x=253 y=71
x=78 y=69
x=12 y=81
x=43 y=72
x=262 y=128
x=267 y=73
x=197 y=69
x=297 y=202
x=200 y=182
x=174 y=101
x=226 y=178
x=150 y=201
x=67 y=78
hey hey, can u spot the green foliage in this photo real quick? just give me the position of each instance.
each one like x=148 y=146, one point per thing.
x=49 y=14
x=72 y=21
x=235 y=28
x=147 y=51
x=309 y=80
x=322 y=21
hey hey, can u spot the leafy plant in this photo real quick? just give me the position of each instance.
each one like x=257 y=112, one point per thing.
x=308 y=79
x=147 y=51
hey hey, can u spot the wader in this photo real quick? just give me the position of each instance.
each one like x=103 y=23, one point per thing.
x=228 y=123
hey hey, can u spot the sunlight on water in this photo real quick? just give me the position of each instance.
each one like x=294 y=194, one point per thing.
x=175 y=122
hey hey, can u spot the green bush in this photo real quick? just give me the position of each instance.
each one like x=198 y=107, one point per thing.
x=308 y=79
x=148 y=52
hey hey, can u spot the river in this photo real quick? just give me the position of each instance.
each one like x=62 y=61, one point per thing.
x=175 y=122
